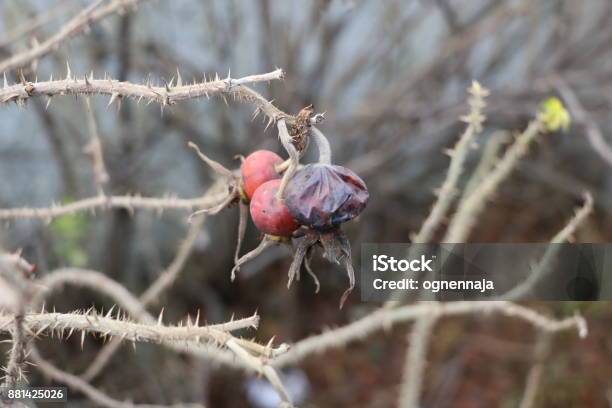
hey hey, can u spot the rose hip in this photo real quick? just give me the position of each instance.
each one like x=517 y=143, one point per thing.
x=323 y=196
x=270 y=214
x=257 y=168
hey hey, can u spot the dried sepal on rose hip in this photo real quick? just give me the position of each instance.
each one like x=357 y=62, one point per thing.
x=336 y=248
x=256 y=169
x=271 y=216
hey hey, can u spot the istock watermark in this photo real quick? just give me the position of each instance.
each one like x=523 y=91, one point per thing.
x=383 y=263
x=486 y=272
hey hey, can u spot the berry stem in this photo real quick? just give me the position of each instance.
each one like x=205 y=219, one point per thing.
x=325 y=154
x=294 y=157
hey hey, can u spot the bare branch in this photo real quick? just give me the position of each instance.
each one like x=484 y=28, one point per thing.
x=103 y=202
x=79 y=23
x=151 y=295
x=593 y=132
x=546 y=263
x=87 y=389
x=449 y=189
x=489 y=158
x=534 y=378
x=414 y=367
x=15 y=271
x=263 y=369
x=386 y=318
x=464 y=219
x=35 y=23
x=94 y=149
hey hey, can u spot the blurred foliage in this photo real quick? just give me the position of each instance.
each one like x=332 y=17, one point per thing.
x=554 y=115
x=69 y=233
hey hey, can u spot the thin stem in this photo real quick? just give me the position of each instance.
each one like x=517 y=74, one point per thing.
x=104 y=202
x=458 y=154
x=294 y=157
x=465 y=218
x=385 y=318
x=414 y=367
x=86 y=388
x=325 y=152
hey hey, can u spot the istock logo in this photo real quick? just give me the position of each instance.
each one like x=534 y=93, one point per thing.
x=383 y=263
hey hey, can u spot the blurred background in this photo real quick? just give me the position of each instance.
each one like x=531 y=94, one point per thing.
x=392 y=78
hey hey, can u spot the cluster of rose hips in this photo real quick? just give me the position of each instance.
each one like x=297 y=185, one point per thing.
x=318 y=198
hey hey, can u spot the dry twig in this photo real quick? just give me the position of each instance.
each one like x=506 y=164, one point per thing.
x=87 y=389
x=546 y=263
x=386 y=318
x=79 y=23
x=211 y=198
x=151 y=295
x=169 y=94
x=414 y=367
x=458 y=154
x=465 y=218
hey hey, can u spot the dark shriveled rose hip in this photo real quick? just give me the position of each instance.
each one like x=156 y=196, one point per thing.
x=323 y=196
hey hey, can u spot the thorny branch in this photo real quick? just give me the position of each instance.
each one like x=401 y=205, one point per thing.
x=16 y=271
x=107 y=326
x=458 y=154
x=152 y=294
x=385 y=318
x=103 y=202
x=465 y=218
x=169 y=94
x=99 y=282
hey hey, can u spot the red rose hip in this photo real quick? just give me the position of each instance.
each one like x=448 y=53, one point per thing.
x=257 y=168
x=270 y=214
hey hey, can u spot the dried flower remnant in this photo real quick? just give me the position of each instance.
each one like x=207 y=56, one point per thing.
x=336 y=249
